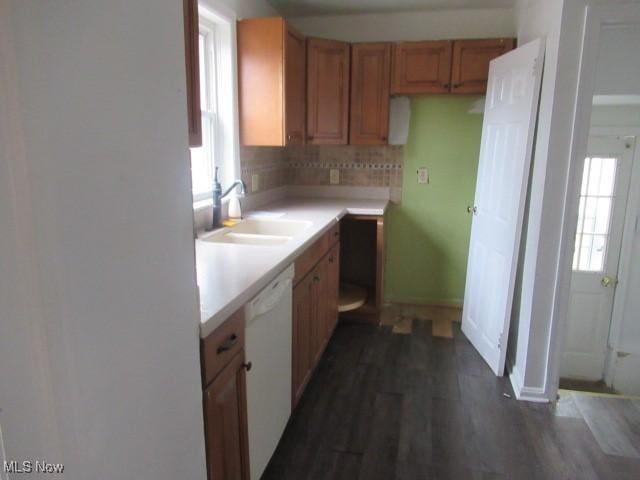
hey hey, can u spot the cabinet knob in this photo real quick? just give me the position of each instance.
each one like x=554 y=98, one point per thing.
x=456 y=85
x=228 y=344
x=446 y=85
x=247 y=366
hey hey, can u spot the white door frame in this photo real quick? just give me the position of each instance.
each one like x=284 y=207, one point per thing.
x=617 y=315
x=614 y=259
x=596 y=18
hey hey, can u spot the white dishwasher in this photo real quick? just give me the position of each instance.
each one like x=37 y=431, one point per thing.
x=268 y=348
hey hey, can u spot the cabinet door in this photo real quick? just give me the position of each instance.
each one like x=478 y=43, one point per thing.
x=294 y=87
x=192 y=63
x=327 y=92
x=319 y=310
x=370 y=82
x=301 y=348
x=470 y=69
x=225 y=412
x=421 y=67
x=260 y=81
x=333 y=288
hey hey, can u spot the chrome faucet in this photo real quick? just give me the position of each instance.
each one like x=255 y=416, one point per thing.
x=218 y=195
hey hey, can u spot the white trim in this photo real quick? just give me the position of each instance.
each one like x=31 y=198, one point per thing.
x=626 y=252
x=527 y=394
x=222 y=21
x=595 y=18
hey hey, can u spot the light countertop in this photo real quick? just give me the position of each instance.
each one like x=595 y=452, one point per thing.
x=230 y=275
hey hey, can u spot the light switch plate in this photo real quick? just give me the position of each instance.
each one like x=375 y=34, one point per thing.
x=255 y=182
x=423 y=175
x=334 y=176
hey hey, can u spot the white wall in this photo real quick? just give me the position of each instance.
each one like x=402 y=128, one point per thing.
x=618 y=61
x=560 y=23
x=546 y=259
x=99 y=361
x=426 y=25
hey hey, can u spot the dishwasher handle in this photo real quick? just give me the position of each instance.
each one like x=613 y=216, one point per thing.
x=270 y=298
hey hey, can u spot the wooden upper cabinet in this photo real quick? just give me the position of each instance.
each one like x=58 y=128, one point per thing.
x=470 y=67
x=295 y=87
x=327 y=92
x=192 y=63
x=370 y=83
x=421 y=67
x=271 y=82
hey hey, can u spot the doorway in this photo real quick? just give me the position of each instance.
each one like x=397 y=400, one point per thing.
x=603 y=201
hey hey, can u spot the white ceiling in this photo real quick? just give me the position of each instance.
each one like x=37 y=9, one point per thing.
x=300 y=8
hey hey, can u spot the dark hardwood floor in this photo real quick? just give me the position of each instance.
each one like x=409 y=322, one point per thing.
x=394 y=406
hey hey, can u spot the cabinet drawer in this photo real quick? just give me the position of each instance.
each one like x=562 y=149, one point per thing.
x=312 y=255
x=333 y=235
x=221 y=346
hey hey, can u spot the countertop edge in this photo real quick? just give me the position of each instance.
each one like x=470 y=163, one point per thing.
x=210 y=321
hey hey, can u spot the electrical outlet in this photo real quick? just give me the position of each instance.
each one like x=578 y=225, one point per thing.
x=423 y=175
x=334 y=176
x=255 y=182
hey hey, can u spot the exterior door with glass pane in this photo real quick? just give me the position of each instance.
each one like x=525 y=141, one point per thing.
x=603 y=200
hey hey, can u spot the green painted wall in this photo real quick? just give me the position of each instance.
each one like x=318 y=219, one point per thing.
x=428 y=235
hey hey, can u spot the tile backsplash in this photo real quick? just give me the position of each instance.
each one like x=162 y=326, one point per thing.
x=358 y=166
x=268 y=163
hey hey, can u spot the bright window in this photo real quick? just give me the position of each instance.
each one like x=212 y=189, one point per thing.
x=594 y=215
x=217 y=93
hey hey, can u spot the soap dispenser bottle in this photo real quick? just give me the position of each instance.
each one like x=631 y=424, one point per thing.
x=235 y=211
x=217 y=201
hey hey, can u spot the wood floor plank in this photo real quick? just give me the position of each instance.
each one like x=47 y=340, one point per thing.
x=614 y=429
x=380 y=454
x=414 y=407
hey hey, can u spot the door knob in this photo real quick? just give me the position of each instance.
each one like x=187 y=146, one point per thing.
x=473 y=209
x=608 y=281
x=247 y=366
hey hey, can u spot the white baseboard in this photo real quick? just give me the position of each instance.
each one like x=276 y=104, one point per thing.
x=527 y=394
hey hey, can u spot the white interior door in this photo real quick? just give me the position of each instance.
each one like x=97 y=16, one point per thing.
x=503 y=172
x=603 y=201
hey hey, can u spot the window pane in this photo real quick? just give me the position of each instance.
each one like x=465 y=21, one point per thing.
x=594 y=213
x=594 y=176
x=201 y=168
x=607 y=177
x=585 y=252
x=590 y=214
x=603 y=211
x=597 y=253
